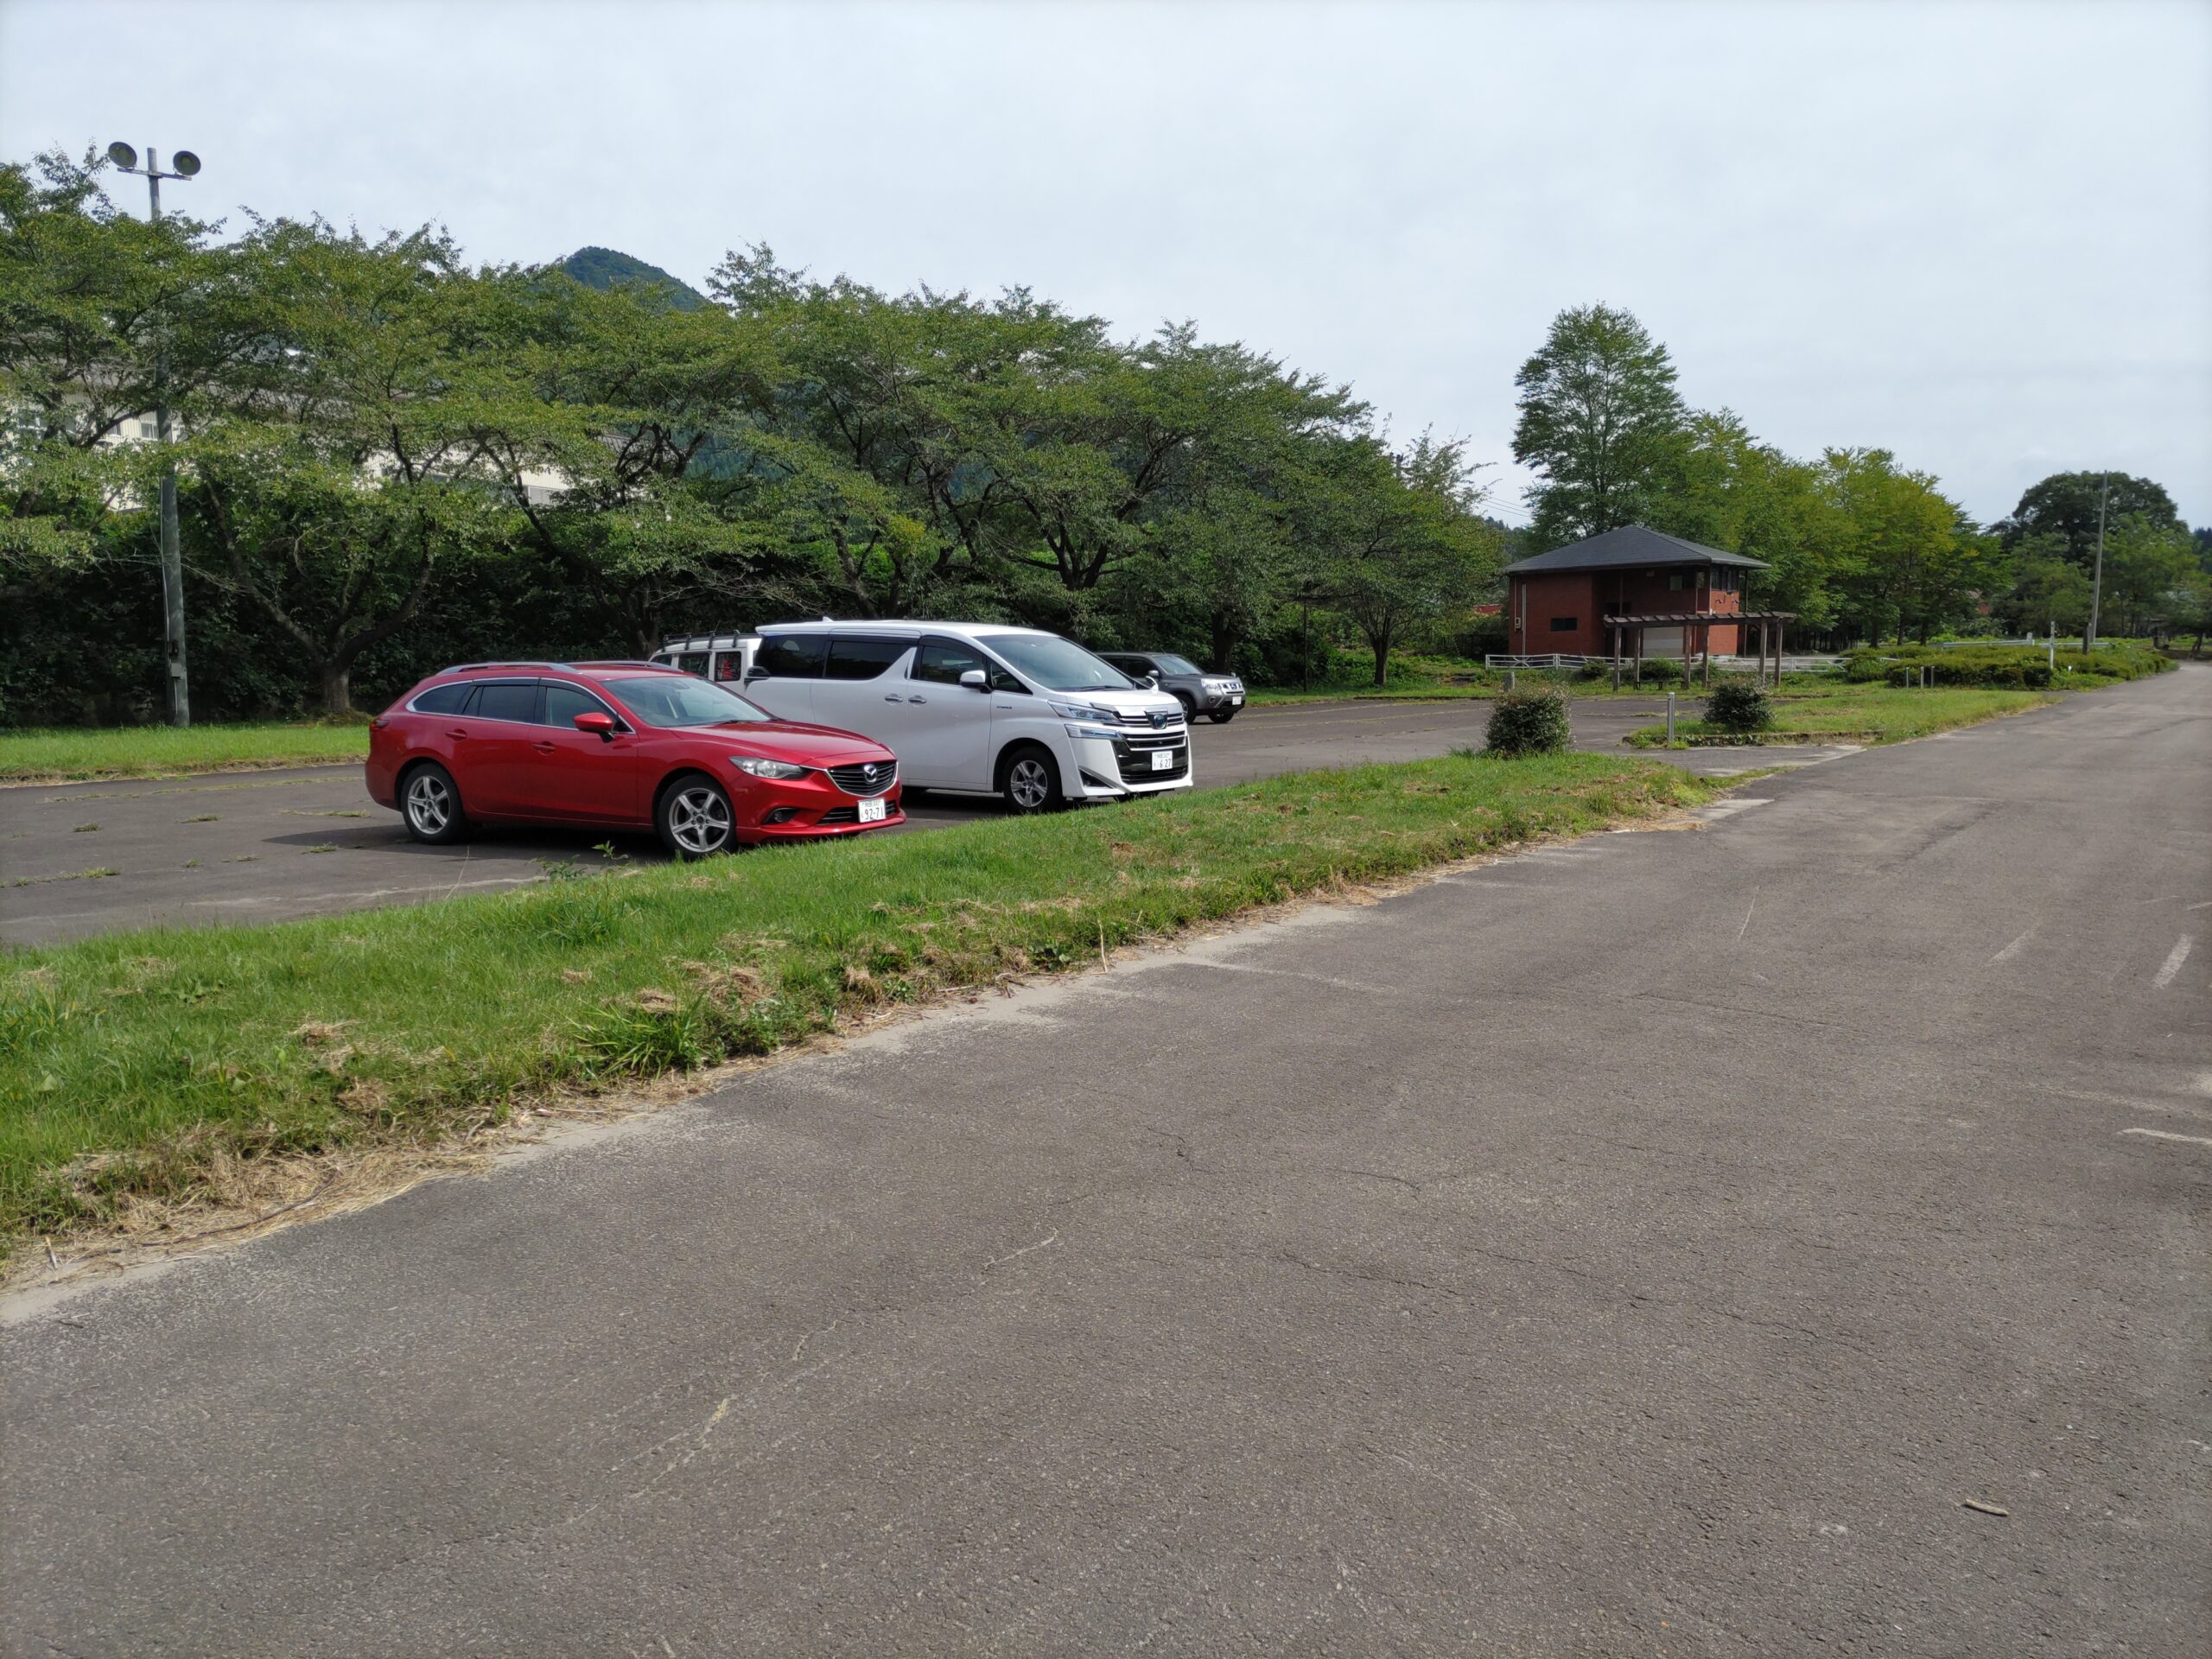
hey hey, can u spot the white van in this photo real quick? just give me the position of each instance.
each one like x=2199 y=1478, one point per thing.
x=723 y=657
x=975 y=706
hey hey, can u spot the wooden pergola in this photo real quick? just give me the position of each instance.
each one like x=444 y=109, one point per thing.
x=1769 y=623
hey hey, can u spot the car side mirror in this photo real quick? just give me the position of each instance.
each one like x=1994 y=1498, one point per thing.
x=753 y=674
x=596 y=721
x=974 y=679
x=1153 y=680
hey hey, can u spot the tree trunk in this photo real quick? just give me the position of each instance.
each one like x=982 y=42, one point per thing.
x=1382 y=648
x=1224 y=645
x=337 y=688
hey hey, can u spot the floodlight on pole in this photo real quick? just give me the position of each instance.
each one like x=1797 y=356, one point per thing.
x=184 y=164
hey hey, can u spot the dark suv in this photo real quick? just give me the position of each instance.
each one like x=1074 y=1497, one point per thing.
x=1217 y=697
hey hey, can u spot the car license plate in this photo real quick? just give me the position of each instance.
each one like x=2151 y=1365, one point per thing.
x=1163 y=760
x=1237 y=701
x=872 y=811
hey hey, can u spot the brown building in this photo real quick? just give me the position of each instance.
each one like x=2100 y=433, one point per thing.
x=1558 y=602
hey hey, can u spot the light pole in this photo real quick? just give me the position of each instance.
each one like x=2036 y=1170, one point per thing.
x=184 y=164
x=2097 y=587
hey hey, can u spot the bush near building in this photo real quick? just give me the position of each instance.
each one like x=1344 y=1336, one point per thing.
x=1527 y=722
x=1739 y=704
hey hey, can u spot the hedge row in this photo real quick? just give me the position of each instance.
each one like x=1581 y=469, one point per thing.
x=2029 y=667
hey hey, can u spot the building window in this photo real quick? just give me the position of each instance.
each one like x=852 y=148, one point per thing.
x=1565 y=624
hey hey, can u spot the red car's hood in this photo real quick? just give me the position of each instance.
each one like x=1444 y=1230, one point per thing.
x=790 y=740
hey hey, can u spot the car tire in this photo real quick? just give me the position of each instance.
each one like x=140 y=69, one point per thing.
x=430 y=805
x=1029 y=779
x=1190 y=705
x=1222 y=716
x=695 y=817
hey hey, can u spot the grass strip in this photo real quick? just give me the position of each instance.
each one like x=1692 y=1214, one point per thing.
x=1859 y=713
x=62 y=754
x=129 y=1065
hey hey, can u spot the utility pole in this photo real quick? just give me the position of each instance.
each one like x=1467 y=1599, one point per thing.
x=2097 y=587
x=183 y=165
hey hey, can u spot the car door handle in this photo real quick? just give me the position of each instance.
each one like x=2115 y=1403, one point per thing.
x=892 y=697
x=917 y=699
x=458 y=731
x=545 y=748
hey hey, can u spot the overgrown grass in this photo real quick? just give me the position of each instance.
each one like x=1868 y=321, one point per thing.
x=55 y=754
x=1856 y=714
x=132 y=1064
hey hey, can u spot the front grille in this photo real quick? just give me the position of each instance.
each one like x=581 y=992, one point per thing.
x=1167 y=720
x=872 y=777
x=1134 y=756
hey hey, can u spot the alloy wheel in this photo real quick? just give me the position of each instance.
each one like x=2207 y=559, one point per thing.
x=698 y=821
x=429 y=803
x=1030 y=782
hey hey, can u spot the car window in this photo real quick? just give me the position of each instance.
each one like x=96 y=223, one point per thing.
x=442 y=699
x=791 y=655
x=854 y=657
x=514 y=700
x=730 y=665
x=1172 y=664
x=943 y=663
x=666 y=700
x=564 y=702
x=1056 y=664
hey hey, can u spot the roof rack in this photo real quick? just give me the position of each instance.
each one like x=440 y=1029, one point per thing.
x=707 y=641
x=614 y=662
x=462 y=668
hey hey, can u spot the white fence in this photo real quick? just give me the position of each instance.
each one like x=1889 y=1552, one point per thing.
x=1569 y=659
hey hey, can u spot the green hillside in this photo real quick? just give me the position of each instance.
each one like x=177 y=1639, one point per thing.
x=609 y=267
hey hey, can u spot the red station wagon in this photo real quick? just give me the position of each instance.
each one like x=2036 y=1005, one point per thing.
x=619 y=746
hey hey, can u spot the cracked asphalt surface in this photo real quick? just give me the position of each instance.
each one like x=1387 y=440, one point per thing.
x=266 y=846
x=1649 y=1245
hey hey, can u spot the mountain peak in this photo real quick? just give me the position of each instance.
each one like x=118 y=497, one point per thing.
x=607 y=268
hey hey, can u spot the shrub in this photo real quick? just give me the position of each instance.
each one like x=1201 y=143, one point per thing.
x=1529 y=722
x=2002 y=666
x=1739 y=704
x=1663 y=671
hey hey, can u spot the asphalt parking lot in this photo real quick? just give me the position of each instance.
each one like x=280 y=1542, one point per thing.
x=1784 y=1238
x=267 y=846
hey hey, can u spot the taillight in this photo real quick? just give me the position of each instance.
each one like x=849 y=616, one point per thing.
x=377 y=725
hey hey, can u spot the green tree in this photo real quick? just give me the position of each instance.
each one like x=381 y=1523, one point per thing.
x=1724 y=489
x=1903 y=556
x=1601 y=420
x=330 y=481
x=2066 y=504
x=1405 y=543
x=2049 y=592
x=2150 y=572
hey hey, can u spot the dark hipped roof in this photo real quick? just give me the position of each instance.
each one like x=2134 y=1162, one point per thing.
x=1631 y=544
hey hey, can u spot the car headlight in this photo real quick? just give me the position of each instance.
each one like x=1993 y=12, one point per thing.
x=1074 y=730
x=760 y=768
x=1081 y=711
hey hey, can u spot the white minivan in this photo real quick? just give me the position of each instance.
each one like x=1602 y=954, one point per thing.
x=975 y=706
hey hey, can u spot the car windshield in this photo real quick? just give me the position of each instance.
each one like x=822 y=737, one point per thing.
x=1176 y=664
x=680 y=700
x=1057 y=664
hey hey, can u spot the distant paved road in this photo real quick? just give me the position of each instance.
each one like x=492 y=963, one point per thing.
x=1655 y=1245
x=254 y=847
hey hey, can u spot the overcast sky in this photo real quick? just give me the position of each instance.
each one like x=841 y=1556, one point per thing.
x=1979 y=235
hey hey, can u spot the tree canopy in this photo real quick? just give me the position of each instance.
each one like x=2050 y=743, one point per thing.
x=390 y=458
